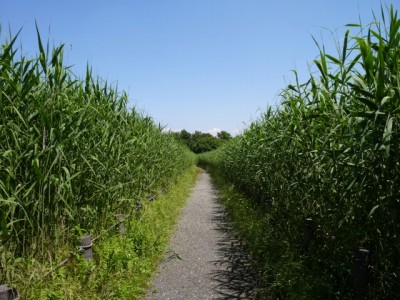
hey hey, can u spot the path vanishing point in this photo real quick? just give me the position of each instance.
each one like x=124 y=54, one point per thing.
x=204 y=260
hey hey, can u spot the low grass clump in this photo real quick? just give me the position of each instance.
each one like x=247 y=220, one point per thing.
x=328 y=158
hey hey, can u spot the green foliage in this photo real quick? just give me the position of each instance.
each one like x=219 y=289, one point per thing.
x=224 y=135
x=199 y=142
x=71 y=154
x=330 y=152
x=203 y=142
x=122 y=265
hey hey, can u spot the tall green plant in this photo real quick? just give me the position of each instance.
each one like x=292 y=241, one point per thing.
x=71 y=153
x=330 y=152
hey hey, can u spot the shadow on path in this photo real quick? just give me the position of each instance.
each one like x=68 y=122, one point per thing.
x=235 y=274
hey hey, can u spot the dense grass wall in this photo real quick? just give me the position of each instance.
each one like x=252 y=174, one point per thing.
x=330 y=153
x=71 y=153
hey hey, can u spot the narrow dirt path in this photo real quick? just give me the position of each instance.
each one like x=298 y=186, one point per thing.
x=205 y=261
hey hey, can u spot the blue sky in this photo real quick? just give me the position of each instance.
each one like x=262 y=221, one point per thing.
x=194 y=65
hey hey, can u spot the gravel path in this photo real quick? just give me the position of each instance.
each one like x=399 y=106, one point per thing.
x=205 y=261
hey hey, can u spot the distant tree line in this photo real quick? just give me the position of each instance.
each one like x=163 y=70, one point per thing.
x=200 y=142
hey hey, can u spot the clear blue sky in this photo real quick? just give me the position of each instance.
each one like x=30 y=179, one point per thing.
x=194 y=65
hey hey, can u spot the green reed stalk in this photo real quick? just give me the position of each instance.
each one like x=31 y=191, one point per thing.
x=330 y=152
x=71 y=153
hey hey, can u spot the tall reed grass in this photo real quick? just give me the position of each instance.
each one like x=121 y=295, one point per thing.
x=330 y=152
x=71 y=153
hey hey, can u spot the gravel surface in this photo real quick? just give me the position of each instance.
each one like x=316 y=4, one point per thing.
x=204 y=260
